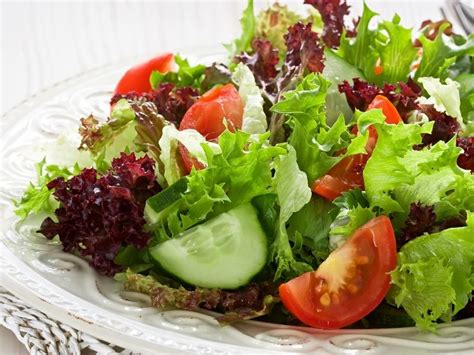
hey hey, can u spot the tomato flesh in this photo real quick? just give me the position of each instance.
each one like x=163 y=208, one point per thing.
x=207 y=117
x=350 y=283
x=137 y=78
x=344 y=176
x=188 y=161
x=347 y=174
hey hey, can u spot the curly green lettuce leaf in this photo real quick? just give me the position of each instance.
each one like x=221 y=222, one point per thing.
x=314 y=141
x=440 y=53
x=248 y=25
x=186 y=75
x=356 y=217
x=354 y=211
x=293 y=194
x=308 y=229
x=458 y=200
x=238 y=169
x=396 y=52
x=434 y=277
x=444 y=97
x=389 y=45
x=37 y=198
x=305 y=107
x=396 y=175
x=466 y=93
x=385 y=171
x=254 y=120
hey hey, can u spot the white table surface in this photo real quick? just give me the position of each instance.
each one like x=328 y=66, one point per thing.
x=43 y=42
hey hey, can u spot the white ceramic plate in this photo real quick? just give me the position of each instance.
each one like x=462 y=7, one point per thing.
x=66 y=288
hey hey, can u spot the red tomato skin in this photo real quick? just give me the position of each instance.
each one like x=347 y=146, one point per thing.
x=342 y=174
x=330 y=187
x=388 y=109
x=298 y=294
x=137 y=78
x=207 y=115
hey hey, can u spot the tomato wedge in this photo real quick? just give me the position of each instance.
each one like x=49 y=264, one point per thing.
x=207 y=117
x=350 y=283
x=137 y=78
x=347 y=174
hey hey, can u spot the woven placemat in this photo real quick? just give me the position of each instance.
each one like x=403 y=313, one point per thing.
x=43 y=335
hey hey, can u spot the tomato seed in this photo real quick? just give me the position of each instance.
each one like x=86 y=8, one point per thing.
x=325 y=299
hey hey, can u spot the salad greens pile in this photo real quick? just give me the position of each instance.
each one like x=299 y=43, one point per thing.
x=265 y=167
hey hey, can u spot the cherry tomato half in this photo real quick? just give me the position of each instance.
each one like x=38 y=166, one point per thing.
x=207 y=117
x=347 y=174
x=137 y=78
x=390 y=112
x=344 y=176
x=350 y=283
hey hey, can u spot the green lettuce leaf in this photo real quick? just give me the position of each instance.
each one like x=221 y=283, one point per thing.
x=186 y=75
x=434 y=277
x=359 y=51
x=248 y=25
x=444 y=97
x=354 y=211
x=396 y=52
x=389 y=45
x=308 y=229
x=336 y=70
x=439 y=54
x=385 y=170
x=356 y=217
x=254 y=119
x=37 y=198
x=396 y=175
x=293 y=194
x=238 y=169
x=466 y=93
x=314 y=141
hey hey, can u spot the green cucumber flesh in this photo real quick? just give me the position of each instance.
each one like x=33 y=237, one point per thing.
x=157 y=205
x=224 y=252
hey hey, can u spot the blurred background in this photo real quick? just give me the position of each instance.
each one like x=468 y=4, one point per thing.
x=43 y=42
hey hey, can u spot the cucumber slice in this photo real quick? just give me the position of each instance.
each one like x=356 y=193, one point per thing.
x=224 y=252
x=157 y=205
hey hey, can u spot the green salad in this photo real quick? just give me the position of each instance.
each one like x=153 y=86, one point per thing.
x=322 y=174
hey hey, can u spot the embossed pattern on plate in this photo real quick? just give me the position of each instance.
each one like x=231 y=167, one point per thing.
x=69 y=284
